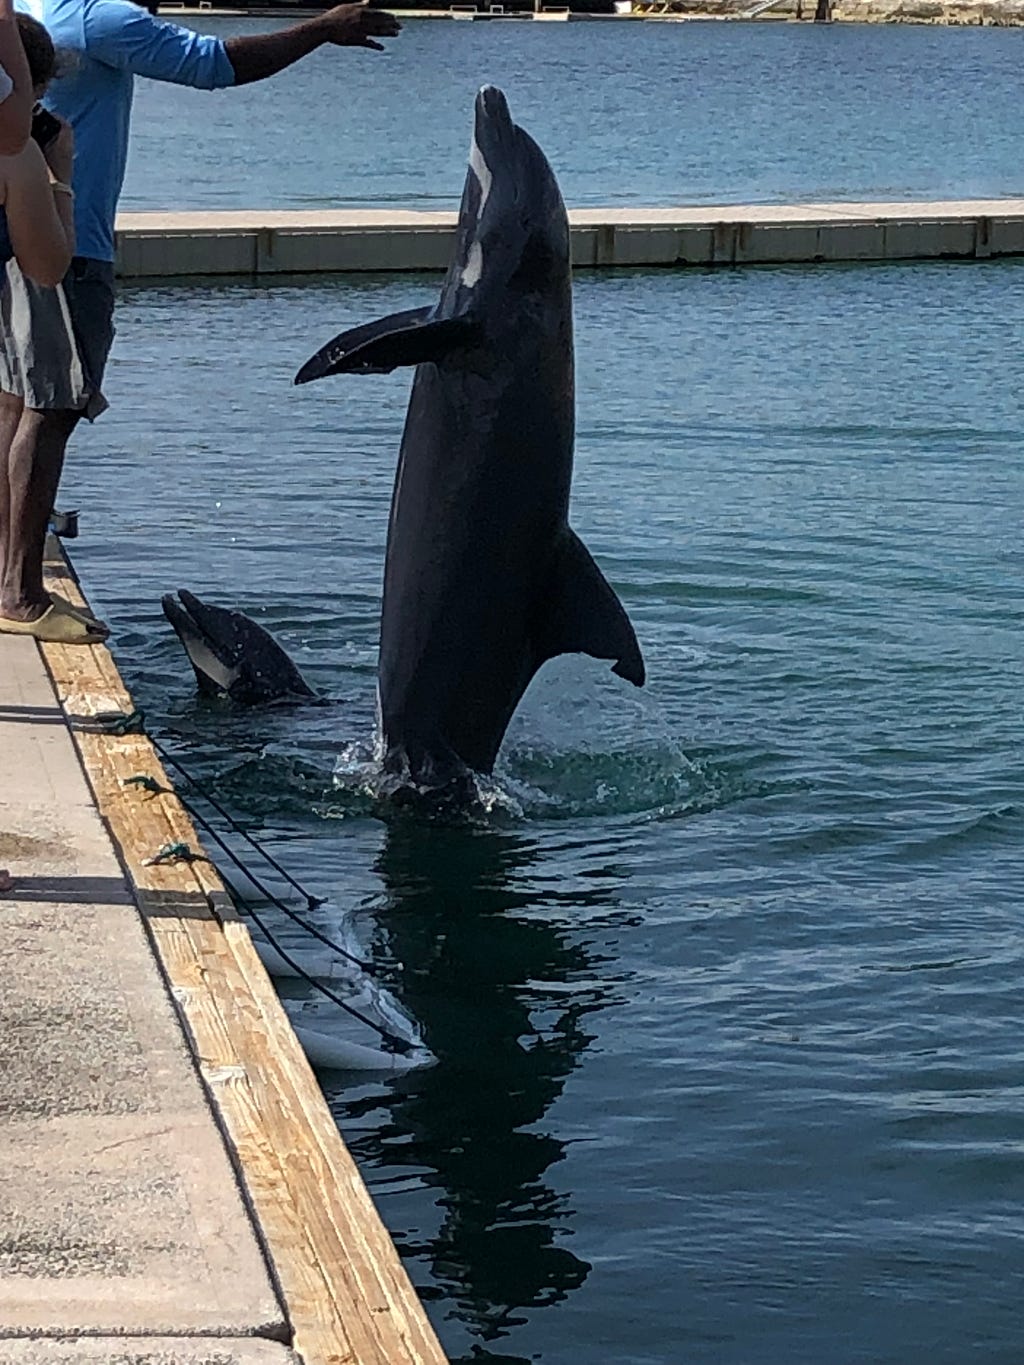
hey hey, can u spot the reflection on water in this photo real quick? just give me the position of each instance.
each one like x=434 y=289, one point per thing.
x=503 y=993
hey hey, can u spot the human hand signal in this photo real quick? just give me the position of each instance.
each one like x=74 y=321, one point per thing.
x=357 y=26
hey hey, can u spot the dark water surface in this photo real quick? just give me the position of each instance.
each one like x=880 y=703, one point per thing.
x=729 y=1018
x=628 y=112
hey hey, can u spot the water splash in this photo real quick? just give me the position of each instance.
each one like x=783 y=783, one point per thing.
x=360 y=777
x=581 y=744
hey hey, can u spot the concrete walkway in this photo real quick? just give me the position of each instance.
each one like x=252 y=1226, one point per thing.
x=120 y=1214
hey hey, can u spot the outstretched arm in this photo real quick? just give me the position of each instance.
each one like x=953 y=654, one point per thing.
x=16 y=105
x=125 y=35
x=265 y=54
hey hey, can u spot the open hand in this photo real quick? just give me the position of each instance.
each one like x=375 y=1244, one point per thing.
x=357 y=26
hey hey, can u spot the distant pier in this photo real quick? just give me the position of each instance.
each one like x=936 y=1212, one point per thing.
x=174 y=1187
x=268 y=242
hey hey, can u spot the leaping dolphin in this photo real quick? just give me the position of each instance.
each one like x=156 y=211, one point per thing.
x=232 y=656
x=484 y=579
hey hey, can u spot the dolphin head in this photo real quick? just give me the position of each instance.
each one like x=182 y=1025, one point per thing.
x=513 y=229
x=511 y=261
x=494 y=133
x=230 y=655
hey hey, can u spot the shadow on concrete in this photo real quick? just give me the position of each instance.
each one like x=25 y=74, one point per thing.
x=31 y=715
x=115 y=891
x=69 y=890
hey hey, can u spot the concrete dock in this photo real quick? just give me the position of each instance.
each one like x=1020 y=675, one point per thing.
x=267 y=242
x=173 y=1190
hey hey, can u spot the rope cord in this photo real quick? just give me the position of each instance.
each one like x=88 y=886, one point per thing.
x=311 y=901
x=120 y=724
x=399 y=1044
x=173 y=853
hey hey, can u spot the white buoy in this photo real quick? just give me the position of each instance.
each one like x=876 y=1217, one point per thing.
x=326 y=1043
x=338 y=1054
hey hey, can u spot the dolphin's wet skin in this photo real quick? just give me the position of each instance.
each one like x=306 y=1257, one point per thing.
x=484 y=581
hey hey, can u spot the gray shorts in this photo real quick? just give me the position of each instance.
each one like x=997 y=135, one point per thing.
x=54 y=343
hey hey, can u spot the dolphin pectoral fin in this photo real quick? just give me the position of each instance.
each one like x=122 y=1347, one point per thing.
x=408 y=338
x=351 y=351
x=582 y=614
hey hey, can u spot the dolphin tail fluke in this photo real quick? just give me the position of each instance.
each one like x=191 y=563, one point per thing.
x=409 y=338
x=582 y=614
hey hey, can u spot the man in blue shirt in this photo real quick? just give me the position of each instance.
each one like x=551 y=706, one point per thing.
x=54 y=343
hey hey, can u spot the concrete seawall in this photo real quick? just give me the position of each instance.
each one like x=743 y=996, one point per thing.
x=268 y=242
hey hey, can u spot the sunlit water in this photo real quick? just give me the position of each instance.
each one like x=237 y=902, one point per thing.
x=728 y=1008
x=628 y=113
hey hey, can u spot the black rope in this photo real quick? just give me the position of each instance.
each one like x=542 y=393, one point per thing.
x=311 y=901
x=400 y=1045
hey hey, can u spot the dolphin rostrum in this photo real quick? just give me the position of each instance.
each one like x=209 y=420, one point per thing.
x=231 y=655
x=484 y=579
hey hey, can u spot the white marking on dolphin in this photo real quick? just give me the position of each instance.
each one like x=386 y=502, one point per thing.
x=484 y=579
x=482 y=171
x=474 y=267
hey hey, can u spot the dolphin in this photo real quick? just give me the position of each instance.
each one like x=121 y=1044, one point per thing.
x=484 y=579
x=231 y=655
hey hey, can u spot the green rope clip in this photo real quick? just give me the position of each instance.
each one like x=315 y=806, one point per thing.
x=147 y=783
x=174 y=853
x=121 y=722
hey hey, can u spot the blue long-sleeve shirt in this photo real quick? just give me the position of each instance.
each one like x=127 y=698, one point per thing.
x=112 y=42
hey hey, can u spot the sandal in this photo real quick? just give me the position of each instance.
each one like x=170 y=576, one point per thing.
x=58 y=625
x=83 y=613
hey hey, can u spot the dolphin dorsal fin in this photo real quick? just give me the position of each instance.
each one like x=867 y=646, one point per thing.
x=408 y=338
x=582 y=614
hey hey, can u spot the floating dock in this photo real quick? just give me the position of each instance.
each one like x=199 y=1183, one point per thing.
x=272 y=242
x=173 y=1189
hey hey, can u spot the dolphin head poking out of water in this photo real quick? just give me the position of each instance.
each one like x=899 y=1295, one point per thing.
x=232 y=656
x=484 y=579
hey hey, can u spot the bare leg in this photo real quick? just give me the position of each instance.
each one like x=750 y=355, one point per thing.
x=10 y=416
x=34 y=462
